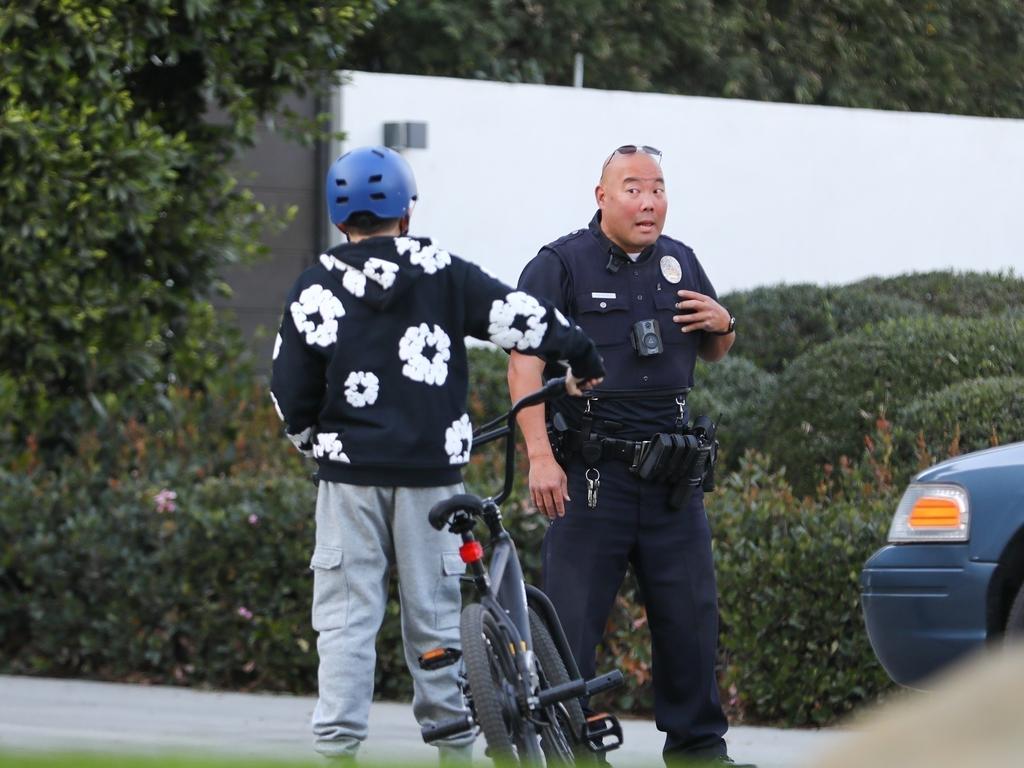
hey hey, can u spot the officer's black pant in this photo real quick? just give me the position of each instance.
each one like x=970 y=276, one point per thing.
x=585 y=557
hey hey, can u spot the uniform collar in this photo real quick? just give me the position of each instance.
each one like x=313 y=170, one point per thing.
x=616 y=256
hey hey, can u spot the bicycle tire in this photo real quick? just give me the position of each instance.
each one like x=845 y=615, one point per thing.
x=566 y=718
x=487 y=662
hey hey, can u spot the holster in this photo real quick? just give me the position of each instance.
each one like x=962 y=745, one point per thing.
x=684 y=460
x=699 y=469
x=558 y=432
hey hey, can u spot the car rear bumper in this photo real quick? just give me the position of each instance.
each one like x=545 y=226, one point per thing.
x=924 y=606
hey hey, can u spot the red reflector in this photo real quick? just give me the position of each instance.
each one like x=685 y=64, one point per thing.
x=471 y=551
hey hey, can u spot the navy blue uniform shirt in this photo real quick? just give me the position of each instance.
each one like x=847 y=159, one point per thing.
x=572 y=273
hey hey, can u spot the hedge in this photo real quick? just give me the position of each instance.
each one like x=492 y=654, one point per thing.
x=967 y=416
x=777 y=324
x=736 y=393
x=119 y=581
x=828 y=398
x=951 y=293
x=793 y=642
x=119 y=209
x=205 y=588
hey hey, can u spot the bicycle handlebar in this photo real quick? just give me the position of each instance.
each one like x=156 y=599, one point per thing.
x=552 y=388
x=441 y=512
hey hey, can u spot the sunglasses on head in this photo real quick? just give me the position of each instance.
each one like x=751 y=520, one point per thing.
x=632 y=149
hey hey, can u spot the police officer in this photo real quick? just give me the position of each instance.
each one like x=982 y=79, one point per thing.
x=647 y=303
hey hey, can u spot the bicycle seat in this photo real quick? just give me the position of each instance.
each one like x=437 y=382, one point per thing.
x=463 y=502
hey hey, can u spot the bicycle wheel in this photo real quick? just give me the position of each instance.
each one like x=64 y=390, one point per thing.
x=491 y=671
x=565 y=718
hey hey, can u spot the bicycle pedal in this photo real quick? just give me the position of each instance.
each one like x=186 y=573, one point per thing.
x=603 y=732
x=436 y=658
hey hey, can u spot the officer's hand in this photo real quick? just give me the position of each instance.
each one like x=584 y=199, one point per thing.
x=549 y=489
x=702 y=313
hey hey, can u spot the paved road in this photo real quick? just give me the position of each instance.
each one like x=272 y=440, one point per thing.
x=46 y=714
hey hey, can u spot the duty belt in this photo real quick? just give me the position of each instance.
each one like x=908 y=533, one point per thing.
x=631 y=452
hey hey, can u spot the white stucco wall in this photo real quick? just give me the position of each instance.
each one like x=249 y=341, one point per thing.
x=764 y=193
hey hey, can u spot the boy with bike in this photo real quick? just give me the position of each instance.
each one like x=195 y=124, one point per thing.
x=370 y=377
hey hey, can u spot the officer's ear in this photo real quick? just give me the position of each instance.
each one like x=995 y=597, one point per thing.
x=403 y=224
x=344 y=231
x=599 y=195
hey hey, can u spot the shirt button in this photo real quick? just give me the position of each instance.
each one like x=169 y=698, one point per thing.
x=603 y=304
x=645 y=378
x=639 y=297
x=635 y=273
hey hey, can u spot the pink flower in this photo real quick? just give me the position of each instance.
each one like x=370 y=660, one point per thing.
x=165 y=501
x=244 y=612
x=254 y=519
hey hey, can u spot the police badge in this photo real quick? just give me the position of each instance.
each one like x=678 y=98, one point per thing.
x=671 y=269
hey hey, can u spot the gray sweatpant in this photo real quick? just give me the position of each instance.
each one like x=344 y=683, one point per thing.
x=360 y=532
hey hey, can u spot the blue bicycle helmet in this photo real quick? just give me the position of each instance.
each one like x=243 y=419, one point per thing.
x=374 y=179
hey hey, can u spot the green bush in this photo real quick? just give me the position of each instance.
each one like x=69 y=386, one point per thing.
x=100 y=579
x=956 y=294
x=736 y=393
x=100 y=583
x=828 y=398
x=778 y=323
x=793 y=641
x=119 y=209
x=967 y=416
x=103 y=584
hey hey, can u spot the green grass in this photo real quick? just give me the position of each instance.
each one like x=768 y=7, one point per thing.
x=95 y=760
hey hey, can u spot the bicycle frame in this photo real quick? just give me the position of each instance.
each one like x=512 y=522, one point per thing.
x=501 y=587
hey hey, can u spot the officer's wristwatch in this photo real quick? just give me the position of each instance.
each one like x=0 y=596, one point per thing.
x=730 y=329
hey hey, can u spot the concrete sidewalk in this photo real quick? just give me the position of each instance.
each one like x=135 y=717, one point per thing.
x=46 y=714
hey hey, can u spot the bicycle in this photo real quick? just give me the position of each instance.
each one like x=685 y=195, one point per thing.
x=520 y=680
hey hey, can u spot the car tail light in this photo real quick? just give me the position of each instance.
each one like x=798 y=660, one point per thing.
x=931 y=512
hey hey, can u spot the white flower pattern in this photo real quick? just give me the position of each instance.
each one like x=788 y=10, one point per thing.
x=277 y=346
x=317 y=300
x=301 y=441
x=380 y=271
x=502 y=330
x=354 y=282
x=328 y=445
x=458 y=440
x=361 y=388
x=410 y=350
x=277 y=407
x=431 y=258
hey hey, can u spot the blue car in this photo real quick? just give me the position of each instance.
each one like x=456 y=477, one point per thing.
x=952 y=576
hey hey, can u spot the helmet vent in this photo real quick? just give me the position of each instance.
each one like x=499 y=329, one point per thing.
x=341 y=182
x=377 y=196
x=375 y=178
x=341 y=200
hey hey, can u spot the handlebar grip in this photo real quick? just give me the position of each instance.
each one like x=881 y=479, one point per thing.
x=552 y=389
x=603 y=682
x=447 y=728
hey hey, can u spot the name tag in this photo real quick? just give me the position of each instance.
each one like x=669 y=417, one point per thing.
x=597 y=295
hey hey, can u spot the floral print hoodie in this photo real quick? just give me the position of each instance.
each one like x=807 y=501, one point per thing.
x=370 y=373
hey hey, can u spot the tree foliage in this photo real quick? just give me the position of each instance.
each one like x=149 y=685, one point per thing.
x=118 y=210
x=956 y=56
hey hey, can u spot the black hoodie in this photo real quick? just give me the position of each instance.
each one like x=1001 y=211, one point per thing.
x=370 y=372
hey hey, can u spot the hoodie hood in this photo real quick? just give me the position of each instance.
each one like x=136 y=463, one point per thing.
x=379 y=270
